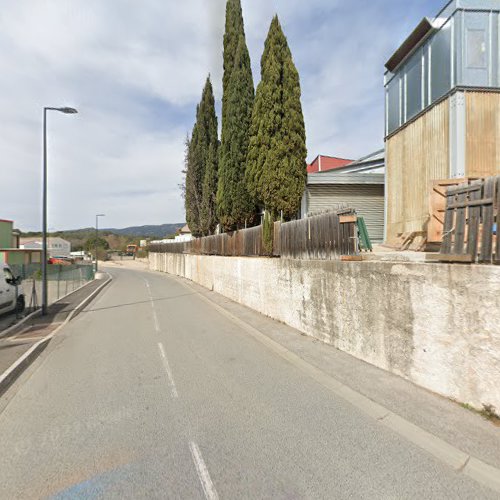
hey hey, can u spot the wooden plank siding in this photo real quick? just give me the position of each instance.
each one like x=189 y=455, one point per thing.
x=416 y=155
x=483 y=133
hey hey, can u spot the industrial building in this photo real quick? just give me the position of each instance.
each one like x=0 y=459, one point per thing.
x=10 y=253
x=442 y=90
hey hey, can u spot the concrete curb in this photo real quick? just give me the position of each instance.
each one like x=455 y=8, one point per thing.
x=11 y=328
x=9 y=376
x=452 y=456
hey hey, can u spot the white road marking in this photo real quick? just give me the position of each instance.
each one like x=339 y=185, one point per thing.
x=201 y=468
x=157 y=324
x=168 y=370
x=155 y=317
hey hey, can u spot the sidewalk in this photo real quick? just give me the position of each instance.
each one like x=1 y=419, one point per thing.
x=56 y=290
x=19 y=341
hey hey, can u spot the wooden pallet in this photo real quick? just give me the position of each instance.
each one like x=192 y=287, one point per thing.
x=470 y=223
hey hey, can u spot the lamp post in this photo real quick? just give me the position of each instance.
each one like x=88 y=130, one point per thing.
x=96 y=236
x=67 y=111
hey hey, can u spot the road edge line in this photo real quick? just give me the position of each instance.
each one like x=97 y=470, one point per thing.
x=445 y=452
x=11 y=374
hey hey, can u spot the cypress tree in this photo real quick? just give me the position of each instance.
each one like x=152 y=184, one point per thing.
x=202 y=166
x=208 y=216
x=276 y=165
x=190 y=189
x=234 y=204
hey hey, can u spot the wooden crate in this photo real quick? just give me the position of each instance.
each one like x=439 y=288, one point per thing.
x=437 y=206
x=470 y=231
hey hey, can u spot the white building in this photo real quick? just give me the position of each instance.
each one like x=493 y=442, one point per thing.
x=183 y=235
x=56 y=247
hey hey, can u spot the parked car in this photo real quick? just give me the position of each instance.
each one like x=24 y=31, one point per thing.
x=61 y=261
x=12 y=296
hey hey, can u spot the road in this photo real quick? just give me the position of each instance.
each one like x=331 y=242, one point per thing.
x=153 y=393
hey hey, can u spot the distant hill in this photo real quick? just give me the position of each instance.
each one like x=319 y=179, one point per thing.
x=159 y=231
x=116 y=238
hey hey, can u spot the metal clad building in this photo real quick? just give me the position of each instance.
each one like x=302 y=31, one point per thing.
x=359 y=185
x=442 y=108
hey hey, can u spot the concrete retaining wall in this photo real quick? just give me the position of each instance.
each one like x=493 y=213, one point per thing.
x=437 y=325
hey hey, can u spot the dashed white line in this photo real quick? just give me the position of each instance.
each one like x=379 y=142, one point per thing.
x=201 y=468
x=155 y=317
x=157 y=324
x=168 y=370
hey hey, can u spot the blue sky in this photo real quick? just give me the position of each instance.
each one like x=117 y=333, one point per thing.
x=135 y=70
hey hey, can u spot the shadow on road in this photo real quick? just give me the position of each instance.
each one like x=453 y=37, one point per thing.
x=127 y=304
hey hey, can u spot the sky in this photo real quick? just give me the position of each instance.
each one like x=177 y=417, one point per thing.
x=135 y=70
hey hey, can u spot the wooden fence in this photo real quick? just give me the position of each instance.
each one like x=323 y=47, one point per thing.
x=470 y=232
x=325 y=236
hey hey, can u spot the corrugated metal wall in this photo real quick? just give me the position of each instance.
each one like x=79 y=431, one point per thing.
x=416 y=155
x=420 y=153
x=367 y=199
x=483 y=133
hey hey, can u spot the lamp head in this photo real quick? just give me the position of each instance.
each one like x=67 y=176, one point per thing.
x=68 y=111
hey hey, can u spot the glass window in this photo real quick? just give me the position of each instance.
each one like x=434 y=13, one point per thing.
x=7 y=274
x=441 y=62
x=476 y=48
x=393 y=103
x=414 y=86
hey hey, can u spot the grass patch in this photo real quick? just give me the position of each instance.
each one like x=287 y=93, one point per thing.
x=488 y=412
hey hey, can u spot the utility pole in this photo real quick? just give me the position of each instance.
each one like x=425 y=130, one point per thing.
x=97 y=236
x=45 y=294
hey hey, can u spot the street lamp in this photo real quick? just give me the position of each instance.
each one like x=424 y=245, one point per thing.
x=67 y=111
x=96 y=236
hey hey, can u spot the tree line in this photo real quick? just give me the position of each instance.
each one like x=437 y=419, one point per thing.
x=260 y=161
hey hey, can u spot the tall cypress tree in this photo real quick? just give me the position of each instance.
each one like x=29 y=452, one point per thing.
x=191 y=202
x=276 y=164
x=234 y=204
x=202 y=166
x=208 y=215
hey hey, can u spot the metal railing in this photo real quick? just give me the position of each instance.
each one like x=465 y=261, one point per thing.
x=61 y=280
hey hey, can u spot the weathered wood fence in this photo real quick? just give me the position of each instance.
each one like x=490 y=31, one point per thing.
x=470 y=232
x=324 y=236
x=327 y=236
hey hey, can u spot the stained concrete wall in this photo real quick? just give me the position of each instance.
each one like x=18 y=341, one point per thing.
x=437 y=325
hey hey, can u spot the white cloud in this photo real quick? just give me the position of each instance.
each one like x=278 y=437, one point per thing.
x=135 y=70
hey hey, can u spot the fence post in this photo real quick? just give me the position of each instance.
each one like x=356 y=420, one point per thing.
x=58 y=282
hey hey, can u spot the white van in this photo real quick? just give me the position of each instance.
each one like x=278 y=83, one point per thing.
x=10 y=299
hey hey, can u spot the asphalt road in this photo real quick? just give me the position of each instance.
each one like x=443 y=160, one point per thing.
x=153 y=393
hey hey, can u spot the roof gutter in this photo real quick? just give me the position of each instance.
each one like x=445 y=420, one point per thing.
x=425 y=28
